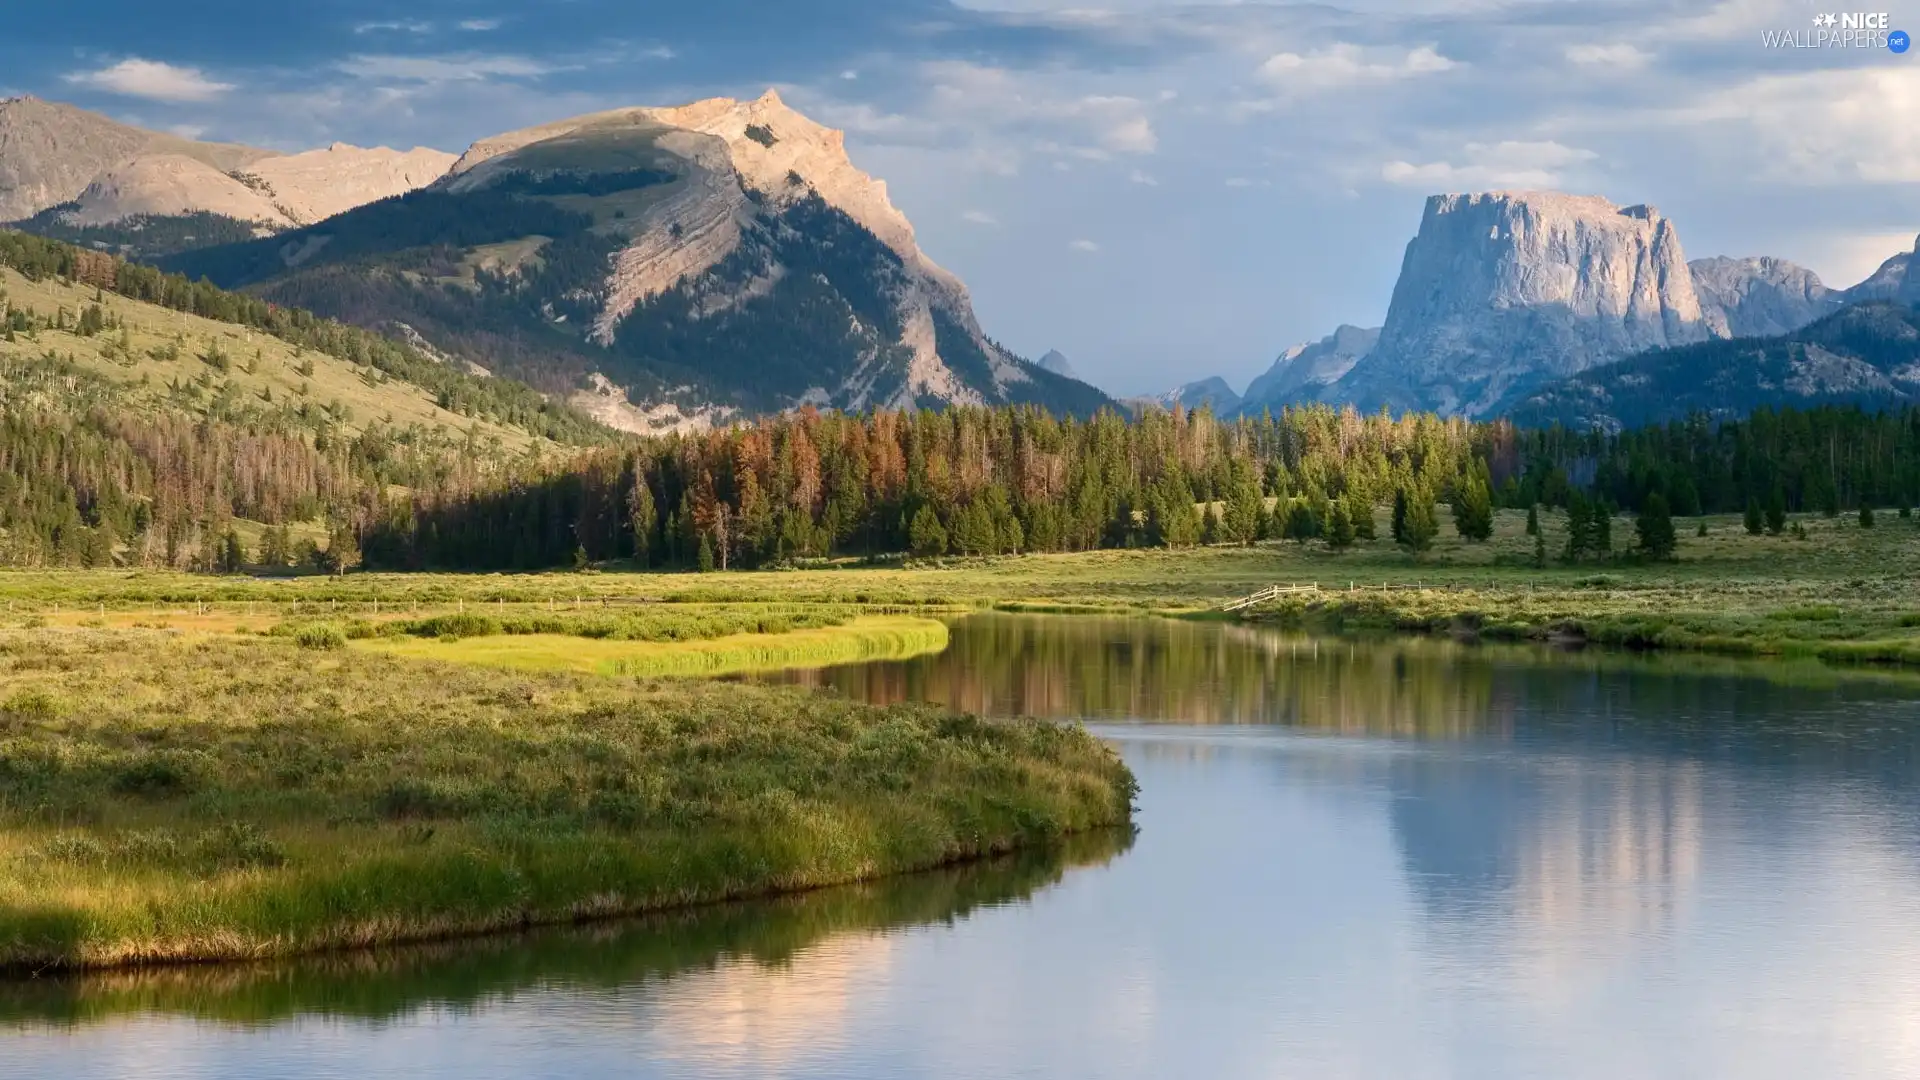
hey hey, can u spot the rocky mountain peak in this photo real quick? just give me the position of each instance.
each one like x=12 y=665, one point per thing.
x=1499 y=288
x=51 y=151
x=1909 y=291
x=1057 y=362
x=1759 y=297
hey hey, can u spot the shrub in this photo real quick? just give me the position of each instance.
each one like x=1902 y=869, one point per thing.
x=320 y=636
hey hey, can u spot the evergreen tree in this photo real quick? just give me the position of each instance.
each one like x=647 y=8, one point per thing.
x=1400 y=516
x=1241 y=514
x=1339 y=527
x=926 y=537
x=1866 y=515
x=641 y=515
x=1776 y=510
x=1361 y=511
x=1420 y=526
x=704 y=560
x=1533 y=519
x=1654 y=528
x=1753 y=520
x=233 y=556
x=1473 y=508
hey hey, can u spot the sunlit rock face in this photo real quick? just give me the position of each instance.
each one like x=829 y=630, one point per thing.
x=1501 y=289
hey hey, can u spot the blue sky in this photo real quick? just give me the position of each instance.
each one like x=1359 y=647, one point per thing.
x=1160 y=190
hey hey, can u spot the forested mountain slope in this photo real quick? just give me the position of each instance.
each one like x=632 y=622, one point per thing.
x=142 y=417
x=1867 y=354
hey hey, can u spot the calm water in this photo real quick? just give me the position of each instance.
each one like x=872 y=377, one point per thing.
x=1408 y=859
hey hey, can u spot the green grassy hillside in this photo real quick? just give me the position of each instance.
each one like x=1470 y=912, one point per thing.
x=156 y=358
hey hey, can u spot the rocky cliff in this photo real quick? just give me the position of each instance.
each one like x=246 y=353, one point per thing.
x=1497 y=290
x=1888 y=282
x=1759 y=297
x=1305 y=372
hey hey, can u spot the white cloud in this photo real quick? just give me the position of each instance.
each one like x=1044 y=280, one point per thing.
x=394 y=26
x=1620 y=55
x=1347 y=65
x=442 y=69
x=1087 y=246
x=849 y=75
x=151 y=79
x=1492 y=165
x=979 y=217
x=1143 y=179
x=1841 y=126
x=480 y=25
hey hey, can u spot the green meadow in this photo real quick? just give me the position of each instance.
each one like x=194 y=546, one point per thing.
x=175 y=797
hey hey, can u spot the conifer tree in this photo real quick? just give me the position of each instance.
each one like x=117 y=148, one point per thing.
x=1339 y=527
x=1654 y=528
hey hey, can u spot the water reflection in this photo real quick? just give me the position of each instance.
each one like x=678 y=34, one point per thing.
x=1407 y=859
x=839 y=930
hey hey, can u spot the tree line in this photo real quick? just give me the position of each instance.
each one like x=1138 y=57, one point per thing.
x=977 y=481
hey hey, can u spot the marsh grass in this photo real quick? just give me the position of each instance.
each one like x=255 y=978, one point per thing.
x=170 y=798
x=873 y=637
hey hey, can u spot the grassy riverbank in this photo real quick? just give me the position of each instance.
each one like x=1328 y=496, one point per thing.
x=189 y=797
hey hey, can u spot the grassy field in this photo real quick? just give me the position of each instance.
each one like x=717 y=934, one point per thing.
x=212 y=796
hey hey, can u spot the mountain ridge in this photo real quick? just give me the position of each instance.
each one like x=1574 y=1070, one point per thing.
x=677 y=264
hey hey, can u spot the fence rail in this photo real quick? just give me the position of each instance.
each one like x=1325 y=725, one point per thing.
x=1274 y=592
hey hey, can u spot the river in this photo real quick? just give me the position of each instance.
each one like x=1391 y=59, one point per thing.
x=1402 y=859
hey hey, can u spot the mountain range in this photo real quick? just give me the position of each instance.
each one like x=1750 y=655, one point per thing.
x=666 y=268
x=658 y=267
x=1512 y=297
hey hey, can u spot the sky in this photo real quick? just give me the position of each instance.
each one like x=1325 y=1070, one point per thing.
x=1161 y=190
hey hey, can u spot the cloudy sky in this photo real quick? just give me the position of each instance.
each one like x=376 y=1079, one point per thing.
x=1160 y=189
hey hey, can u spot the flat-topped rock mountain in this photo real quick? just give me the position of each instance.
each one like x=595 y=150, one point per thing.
x=1500 y=289
x=665 y=267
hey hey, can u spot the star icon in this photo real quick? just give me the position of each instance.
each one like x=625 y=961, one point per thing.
x=1830 y=20
x=1819 y=20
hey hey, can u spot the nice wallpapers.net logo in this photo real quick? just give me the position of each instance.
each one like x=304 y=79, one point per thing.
x=1842 y=30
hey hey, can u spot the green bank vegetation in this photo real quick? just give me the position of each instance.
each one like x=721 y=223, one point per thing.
x=390 y=983
x=191 y=797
